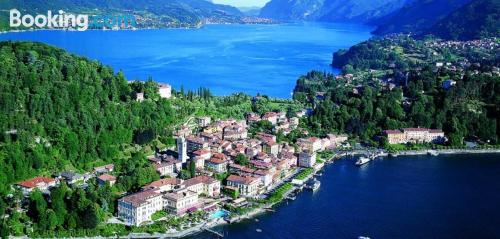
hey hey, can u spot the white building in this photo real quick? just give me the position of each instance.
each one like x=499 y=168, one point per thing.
x=307 y=159
x=203 y=185
x=165 y=168
x=182 y=149
x=42 y=183
x=139 y=97
x=138 y=208
x=165 y=91
x=203 y=121
x=415 y=135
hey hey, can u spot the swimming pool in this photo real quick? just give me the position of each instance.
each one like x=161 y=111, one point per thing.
x=219 y=214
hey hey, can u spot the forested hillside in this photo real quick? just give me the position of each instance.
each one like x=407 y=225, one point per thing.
x=476 y=20
x=329 y=10
x=400 y=82
x=417 y=16
x=59 y=111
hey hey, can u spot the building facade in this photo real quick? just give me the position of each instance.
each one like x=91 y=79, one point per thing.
x=138 y=208
x=415 y=135
x=307 y=159
x=247 y=186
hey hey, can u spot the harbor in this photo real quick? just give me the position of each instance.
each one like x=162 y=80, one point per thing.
x=353 y=201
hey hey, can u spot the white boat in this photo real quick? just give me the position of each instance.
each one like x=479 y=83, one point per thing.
x=314 y=185
x=363 y=237
x=362 y=160
x=433 y=153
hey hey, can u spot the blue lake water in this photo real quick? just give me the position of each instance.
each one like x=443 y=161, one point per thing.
x=265 y=59
x=450 y=196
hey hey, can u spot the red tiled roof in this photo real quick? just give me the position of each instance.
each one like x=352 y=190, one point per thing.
x=163 y=182
x=201 y=152
x=33 y=183
x=240 y=179
x=217 y=160
x=140 y=198
x=107 y=177
x=200 y=179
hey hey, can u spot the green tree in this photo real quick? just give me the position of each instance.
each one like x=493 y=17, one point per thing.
x=242 y=159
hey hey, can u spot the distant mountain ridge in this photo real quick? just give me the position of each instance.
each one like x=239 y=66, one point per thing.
x=417 y=16
x=329 y=10
x=478 y=19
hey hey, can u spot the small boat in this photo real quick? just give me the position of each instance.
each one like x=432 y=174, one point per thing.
x=362 y=160
x=363 y=237
x=314 y=185
x=393 y=155
x=258 y=230
x=433 y=153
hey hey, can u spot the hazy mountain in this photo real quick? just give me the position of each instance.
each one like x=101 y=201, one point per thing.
x=250 y=11
x=477 y=19
x=330 y=10
x=417 y=16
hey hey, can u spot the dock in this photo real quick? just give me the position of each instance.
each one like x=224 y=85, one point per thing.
x=218 y=234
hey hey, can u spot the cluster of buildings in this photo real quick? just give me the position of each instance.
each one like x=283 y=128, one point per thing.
x=414 y=135
x=173 y=195
x=214 y=150
x=278 y=119
x=44 y=184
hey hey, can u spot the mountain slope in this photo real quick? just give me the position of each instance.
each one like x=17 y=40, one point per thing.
x=329 y=10
x=418 y=16
x=67 y=111
x=476 y=20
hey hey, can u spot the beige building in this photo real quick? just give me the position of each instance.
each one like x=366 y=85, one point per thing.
x=203 y=185
x=271 y=147
x=165 y=168
x=217 y=164
x=181 y=201
x=312 y=144
x=247 y=186
x=414 y=135
x=195 y=143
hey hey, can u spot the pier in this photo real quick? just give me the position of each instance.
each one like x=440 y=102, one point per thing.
x=218 y=234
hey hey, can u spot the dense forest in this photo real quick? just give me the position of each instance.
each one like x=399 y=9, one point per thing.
x=364 y=105
x=476 y=20
x=60 y=111
x=417 y=16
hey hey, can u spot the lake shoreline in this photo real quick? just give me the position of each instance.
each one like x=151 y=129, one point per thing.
x=259 y=211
